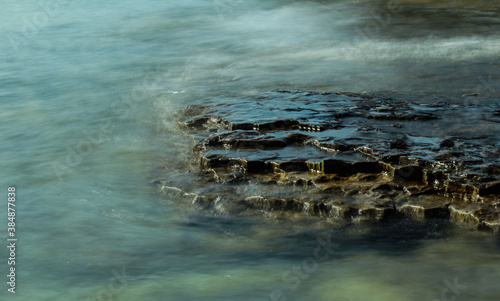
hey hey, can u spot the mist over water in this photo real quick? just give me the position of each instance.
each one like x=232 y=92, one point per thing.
x=89 y=98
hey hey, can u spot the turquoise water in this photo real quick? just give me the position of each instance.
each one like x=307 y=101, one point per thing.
x=88 y=98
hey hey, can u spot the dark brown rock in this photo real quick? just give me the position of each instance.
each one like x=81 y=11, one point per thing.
x=258 y=167
x=294 y=166
x=490 y=188
x=339 y=156
x=426 y=207
x=278 y=125
x=297 y=139
x=338 y=167
x=447 y=143
x=409 y=174
x=398 y=144
x=366 y=167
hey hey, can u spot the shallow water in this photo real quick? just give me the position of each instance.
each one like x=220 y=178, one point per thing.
x=89 y=93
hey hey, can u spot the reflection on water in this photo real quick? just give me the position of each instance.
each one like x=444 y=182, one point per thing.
x=130 y=65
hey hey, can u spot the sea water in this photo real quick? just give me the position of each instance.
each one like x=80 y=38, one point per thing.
x=89 y=93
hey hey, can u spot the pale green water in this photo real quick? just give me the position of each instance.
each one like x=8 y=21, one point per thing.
x=88 y=100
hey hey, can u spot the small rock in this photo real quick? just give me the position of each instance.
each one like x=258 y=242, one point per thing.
x=447 y=143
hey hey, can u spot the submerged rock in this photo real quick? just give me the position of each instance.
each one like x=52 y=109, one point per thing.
x=341 y=156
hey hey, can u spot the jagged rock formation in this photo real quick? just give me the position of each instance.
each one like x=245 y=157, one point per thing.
x=351 y=157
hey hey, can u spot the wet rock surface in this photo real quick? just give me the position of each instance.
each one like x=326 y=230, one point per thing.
x=348 y=157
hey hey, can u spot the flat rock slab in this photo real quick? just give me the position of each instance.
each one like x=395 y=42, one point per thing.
x=355 y=157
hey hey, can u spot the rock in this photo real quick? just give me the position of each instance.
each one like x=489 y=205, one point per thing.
x=409 y=174
x=366 y=167
x=340 y=156
x=294 y=166
x=490 y=188
x=426 y=208
x=398 y=144
x=447 y=143
x=464 y=214
x=297 y=139
x=337 y=167
x=493 y=169
x=256 y=166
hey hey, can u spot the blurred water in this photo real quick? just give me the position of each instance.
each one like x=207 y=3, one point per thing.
x=88 y=97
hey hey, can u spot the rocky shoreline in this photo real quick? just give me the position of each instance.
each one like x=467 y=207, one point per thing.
x=346 y=157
